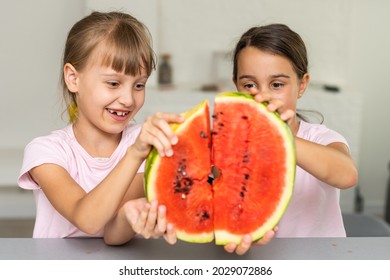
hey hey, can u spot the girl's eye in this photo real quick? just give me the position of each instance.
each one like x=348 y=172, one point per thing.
x=249 y=85
x=113 y=84
x=277 y=85
x=140 y=86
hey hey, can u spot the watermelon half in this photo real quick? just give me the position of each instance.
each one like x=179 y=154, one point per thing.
x=253 y=152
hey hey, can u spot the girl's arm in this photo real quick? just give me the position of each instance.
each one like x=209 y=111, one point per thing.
x=331 y=164
x=89 y=211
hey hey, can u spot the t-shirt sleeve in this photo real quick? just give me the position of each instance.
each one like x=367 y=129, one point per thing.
x=326 y=136
x=38 y=152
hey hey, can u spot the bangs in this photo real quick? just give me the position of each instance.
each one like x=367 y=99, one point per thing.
x=125 y=51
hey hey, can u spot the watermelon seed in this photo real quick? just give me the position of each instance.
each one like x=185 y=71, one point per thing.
x=246 y=176
x=244 y=117
x=246 y=158
x=242 y=194
x=214 y=116
x=204 y=215
x=243 y=188
x=184 y=173
x=183 y=196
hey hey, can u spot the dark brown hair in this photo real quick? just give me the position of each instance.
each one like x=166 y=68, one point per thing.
x=278 y=39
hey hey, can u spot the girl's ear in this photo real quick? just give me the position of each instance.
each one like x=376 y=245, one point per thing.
x=71 y=77
x=303 y=84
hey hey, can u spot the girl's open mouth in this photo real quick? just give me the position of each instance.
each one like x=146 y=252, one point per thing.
x=118 y=115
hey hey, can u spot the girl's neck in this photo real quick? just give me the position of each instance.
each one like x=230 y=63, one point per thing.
x=95 y=142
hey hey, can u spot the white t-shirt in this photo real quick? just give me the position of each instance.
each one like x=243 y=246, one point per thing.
x=314 y=209
x=61 y=148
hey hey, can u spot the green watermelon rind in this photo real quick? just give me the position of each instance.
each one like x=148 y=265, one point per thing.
x=152 y=162
x=223 y=237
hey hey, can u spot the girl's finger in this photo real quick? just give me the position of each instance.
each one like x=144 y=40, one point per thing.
x=151 y=219
x=161 y=221
x=262 y=97
x=164 y=130
x=268 y=236
x=245 y=244
x=170 y=235
x=139 y=225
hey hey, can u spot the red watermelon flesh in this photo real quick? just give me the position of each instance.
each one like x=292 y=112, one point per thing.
x=180 y=181
x=253 y=151
x=257 y=168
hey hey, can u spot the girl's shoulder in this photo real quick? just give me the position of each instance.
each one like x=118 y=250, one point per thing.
x=61 y=137
x=319 y=133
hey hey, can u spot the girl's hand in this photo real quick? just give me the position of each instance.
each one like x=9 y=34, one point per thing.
x=276 y=105
x=157 y=132
x=246 y=242
x=149 y=219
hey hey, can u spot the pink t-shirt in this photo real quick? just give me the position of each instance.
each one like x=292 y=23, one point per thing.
x=314 y=209
x=62 y=148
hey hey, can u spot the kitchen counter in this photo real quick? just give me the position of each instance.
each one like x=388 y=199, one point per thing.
x=352 y=248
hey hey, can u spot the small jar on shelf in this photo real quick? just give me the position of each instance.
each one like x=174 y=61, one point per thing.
x=165 y=71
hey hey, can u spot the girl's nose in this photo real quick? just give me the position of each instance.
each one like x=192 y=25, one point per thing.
x=126 y=98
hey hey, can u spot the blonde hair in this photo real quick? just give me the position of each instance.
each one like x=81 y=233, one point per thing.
x=127 y=48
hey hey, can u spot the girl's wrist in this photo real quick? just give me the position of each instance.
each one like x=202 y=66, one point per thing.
x=136 y=154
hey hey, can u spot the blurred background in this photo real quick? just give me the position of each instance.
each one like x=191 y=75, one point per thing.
x=348 y=43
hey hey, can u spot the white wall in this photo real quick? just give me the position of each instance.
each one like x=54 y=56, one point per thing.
x=32 y=37
x=368 y=73
x=193 y=29
x=347 y=41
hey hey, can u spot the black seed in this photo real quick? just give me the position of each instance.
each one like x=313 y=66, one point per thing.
x=214 y=116
x=242 y=194
x=204 y=215
x=244 y=117
x=246 y=176
x=214 y=133
x=243 y=188
x=221 y=124
x=246 y=158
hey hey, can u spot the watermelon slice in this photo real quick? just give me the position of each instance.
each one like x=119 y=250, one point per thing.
x=253 y=152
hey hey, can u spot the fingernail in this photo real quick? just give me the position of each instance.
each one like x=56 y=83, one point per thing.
x=174 y=140
x=247 y=238
x=169 y=152
x=271 y=107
